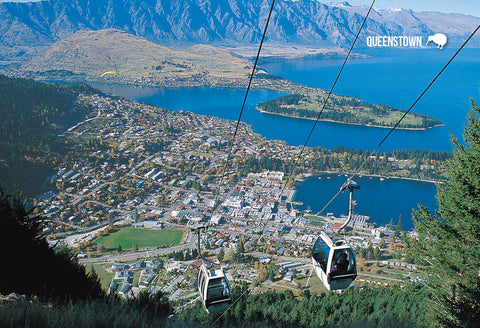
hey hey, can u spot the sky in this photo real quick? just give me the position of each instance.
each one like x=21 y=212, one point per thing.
x=469 y=7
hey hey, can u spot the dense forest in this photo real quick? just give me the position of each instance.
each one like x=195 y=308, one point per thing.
x=358 y=307
x=336 y=110
x=33 y=113
x=425 y=164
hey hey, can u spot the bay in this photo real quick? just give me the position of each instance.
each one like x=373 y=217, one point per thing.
x=392 y=77
x=383 y=201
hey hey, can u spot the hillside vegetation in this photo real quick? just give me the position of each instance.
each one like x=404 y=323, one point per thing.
x=348 y=110
x=33 y=114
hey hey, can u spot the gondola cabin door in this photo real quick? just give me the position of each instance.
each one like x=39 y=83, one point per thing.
x=334 y=263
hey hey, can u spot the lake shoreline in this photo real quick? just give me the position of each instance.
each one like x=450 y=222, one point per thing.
x=349 y=123
x=293 y=191
x=381 y=206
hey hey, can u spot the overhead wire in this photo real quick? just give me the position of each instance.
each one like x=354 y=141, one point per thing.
x=357 y=171
x=246 y=94
x=326 y=99
x=232 y=142
x=247 y=291
x=320 y=113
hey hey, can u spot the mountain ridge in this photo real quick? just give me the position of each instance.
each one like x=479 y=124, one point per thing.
x=26 y=28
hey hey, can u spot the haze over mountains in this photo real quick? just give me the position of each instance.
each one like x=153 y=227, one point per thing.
x=27 y=28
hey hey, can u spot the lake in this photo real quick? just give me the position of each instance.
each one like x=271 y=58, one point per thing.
x=381 y=200
x=392 y=77
x=395 y=77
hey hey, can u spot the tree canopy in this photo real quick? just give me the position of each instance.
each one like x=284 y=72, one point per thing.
x=31 y=266
x=449 y=239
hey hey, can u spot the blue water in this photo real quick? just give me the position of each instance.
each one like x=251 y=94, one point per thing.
x=381 y=200
x=392 y=77
x=396 y=78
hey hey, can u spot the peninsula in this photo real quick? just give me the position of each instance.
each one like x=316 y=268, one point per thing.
x=345 y=110
x=113 y=56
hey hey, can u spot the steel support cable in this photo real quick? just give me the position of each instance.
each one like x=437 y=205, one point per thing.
x=357 y=171
x=324 y=104
x=326 y=99
x=247 y=291
x=232 y=142
x=246 y=94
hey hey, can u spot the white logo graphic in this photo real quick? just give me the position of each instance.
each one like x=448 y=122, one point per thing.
x=439 y=39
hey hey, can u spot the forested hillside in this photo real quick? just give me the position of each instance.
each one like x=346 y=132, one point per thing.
x=370 y=307
x=33 y=114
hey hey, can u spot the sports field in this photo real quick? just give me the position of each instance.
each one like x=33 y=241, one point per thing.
x=126 y=237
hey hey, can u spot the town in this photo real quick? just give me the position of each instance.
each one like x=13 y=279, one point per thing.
x=141 y=167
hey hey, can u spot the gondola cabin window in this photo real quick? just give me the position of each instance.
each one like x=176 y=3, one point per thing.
x=320 y=254
x=214 y=289
x=343 y=262
x=333 y=262
x=217 y=289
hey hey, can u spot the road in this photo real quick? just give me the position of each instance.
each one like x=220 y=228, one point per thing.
x=380 y=277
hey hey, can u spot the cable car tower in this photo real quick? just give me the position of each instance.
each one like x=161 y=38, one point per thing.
x=213 y=285
x=334 y=261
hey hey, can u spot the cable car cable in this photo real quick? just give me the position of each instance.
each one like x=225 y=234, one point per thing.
x=235 y=133
x=232 y=142
x=246 y=94
x=357 y=171
x=324 y=104
x=327 y=98
x=247 y=291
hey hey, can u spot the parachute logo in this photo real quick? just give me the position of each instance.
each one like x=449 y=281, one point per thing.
x=439 y=39
x=109 y=72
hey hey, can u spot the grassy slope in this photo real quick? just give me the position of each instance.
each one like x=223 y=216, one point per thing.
x=95 y=52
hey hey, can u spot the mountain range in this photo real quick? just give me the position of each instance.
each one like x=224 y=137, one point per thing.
x=27 y=28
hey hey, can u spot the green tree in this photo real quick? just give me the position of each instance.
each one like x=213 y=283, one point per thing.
x=240 y=249
x=31 y=250
x=399 y=226
x=390 y=224
x=377 y=254
x=221 y=254
x=449 y=238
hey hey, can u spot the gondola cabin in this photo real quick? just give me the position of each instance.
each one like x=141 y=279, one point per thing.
x=334 y=262
x=214 y=289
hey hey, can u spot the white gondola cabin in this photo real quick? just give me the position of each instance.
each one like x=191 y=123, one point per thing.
x=214 y=289
x=334 y=262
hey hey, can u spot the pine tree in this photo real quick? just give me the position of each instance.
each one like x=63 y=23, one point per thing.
x=449 y=239
x=240 y=248
x=399 y=226
x=53 y=270
x=221 y=254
